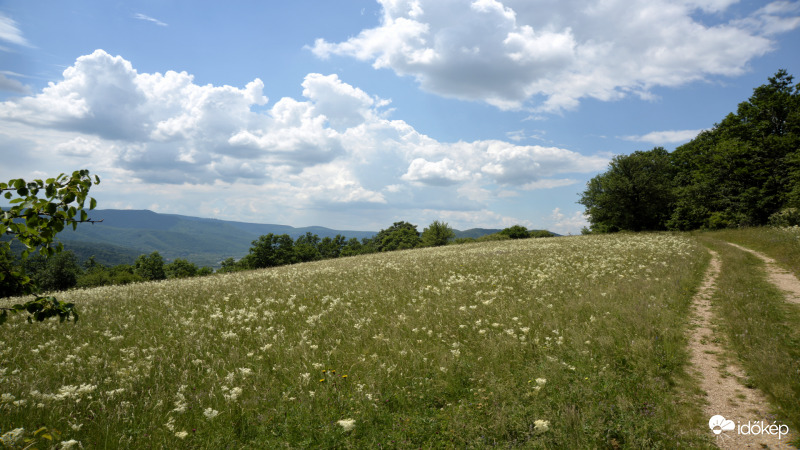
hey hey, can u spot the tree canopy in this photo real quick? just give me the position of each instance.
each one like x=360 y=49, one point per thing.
x=742 y=172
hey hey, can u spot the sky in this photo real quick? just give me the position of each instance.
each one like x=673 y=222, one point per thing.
x=358 y=114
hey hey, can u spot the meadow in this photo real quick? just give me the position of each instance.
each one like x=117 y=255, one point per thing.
x=575 y=342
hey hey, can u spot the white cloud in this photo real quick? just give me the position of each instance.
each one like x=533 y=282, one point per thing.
x=149 y=19
x=444 y=172
x=548 y=56
x=665 y=137
x=567 y=224
x=221 y=149
x=9 y=32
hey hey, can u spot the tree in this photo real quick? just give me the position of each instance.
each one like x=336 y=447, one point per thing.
x=306 y=247
x=332 y=248
x=35 y=222
x=437 y=233
x=271 y=250
x=180 y=268
x=745 y=169
x=635 y=194
x=400 y=236
x=516 y=232
x=150 y=267
x=56 y=273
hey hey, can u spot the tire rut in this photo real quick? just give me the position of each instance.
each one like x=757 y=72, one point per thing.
x=721 y=380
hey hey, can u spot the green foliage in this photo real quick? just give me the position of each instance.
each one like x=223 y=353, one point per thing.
x=56 y=273
x=438 y=233
x=399 y=236
x=516 y=232
x=635 y=194
x=35 y=221
x=150 y=267
x=271 y=250
x=740 y=173
x=180 y=268
x=787 y=217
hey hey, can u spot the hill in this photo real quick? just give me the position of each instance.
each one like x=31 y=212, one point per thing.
x=129 y=233
x=125 y=234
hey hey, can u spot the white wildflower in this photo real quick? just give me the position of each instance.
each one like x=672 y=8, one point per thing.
x=210 y=413
x=540 y=426
x=70 y=443
x=347 y=424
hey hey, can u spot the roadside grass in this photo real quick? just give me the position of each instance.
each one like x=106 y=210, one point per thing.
x=760 y=326
x=781 y=244
x=575 y=342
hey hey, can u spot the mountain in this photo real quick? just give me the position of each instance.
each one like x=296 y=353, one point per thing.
x=202 y=241
x=125 y=234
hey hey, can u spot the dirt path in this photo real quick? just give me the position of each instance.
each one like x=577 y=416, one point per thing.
x=780 y=277
x=721 y=380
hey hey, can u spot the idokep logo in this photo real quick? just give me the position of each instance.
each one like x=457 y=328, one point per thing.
x=718 y=424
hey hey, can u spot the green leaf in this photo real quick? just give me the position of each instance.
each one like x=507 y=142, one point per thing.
x=92 y=203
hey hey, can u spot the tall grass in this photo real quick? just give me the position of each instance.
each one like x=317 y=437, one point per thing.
x=781 y=244
x=760 y=326
x=561 y=343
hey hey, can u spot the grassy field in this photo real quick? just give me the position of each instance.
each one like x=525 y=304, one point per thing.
x=575 y=342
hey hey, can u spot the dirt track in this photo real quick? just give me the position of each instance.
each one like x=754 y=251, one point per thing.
x=721 y=379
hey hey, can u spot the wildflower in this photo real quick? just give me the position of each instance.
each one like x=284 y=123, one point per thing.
x=182 y=434
x=210 y=413
x=70 y=443
x=12 y=437
x=540 y=426
x=541 y=381
x=233 y=394
x=347 y=424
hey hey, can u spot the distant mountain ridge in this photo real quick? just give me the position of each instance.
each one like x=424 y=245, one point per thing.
x=200 y=240
x=124 y=234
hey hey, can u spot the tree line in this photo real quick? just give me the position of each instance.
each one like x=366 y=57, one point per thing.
x=62 y=270
x=745 y=171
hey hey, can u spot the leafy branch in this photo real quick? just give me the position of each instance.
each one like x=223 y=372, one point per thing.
x=35 y=222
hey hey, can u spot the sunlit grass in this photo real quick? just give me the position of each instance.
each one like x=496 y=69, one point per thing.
x=781 y=244
x=573 y=342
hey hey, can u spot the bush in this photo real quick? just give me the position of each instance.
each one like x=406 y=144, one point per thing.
x=787 y=217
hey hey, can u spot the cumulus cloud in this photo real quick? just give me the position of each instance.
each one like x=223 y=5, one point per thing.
x=664 y=137
x=573 y=223
x=333 y=146
x=549 y=55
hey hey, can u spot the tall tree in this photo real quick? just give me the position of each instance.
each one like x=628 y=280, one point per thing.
x=438 y=233
x=635 y=194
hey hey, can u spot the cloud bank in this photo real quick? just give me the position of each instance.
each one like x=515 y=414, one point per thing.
x=164 y=135
x=548 y=55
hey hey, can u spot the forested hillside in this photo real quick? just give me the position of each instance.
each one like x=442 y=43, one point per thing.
x=745 y=171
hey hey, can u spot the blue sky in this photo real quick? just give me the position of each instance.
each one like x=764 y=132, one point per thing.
x=357 y=114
